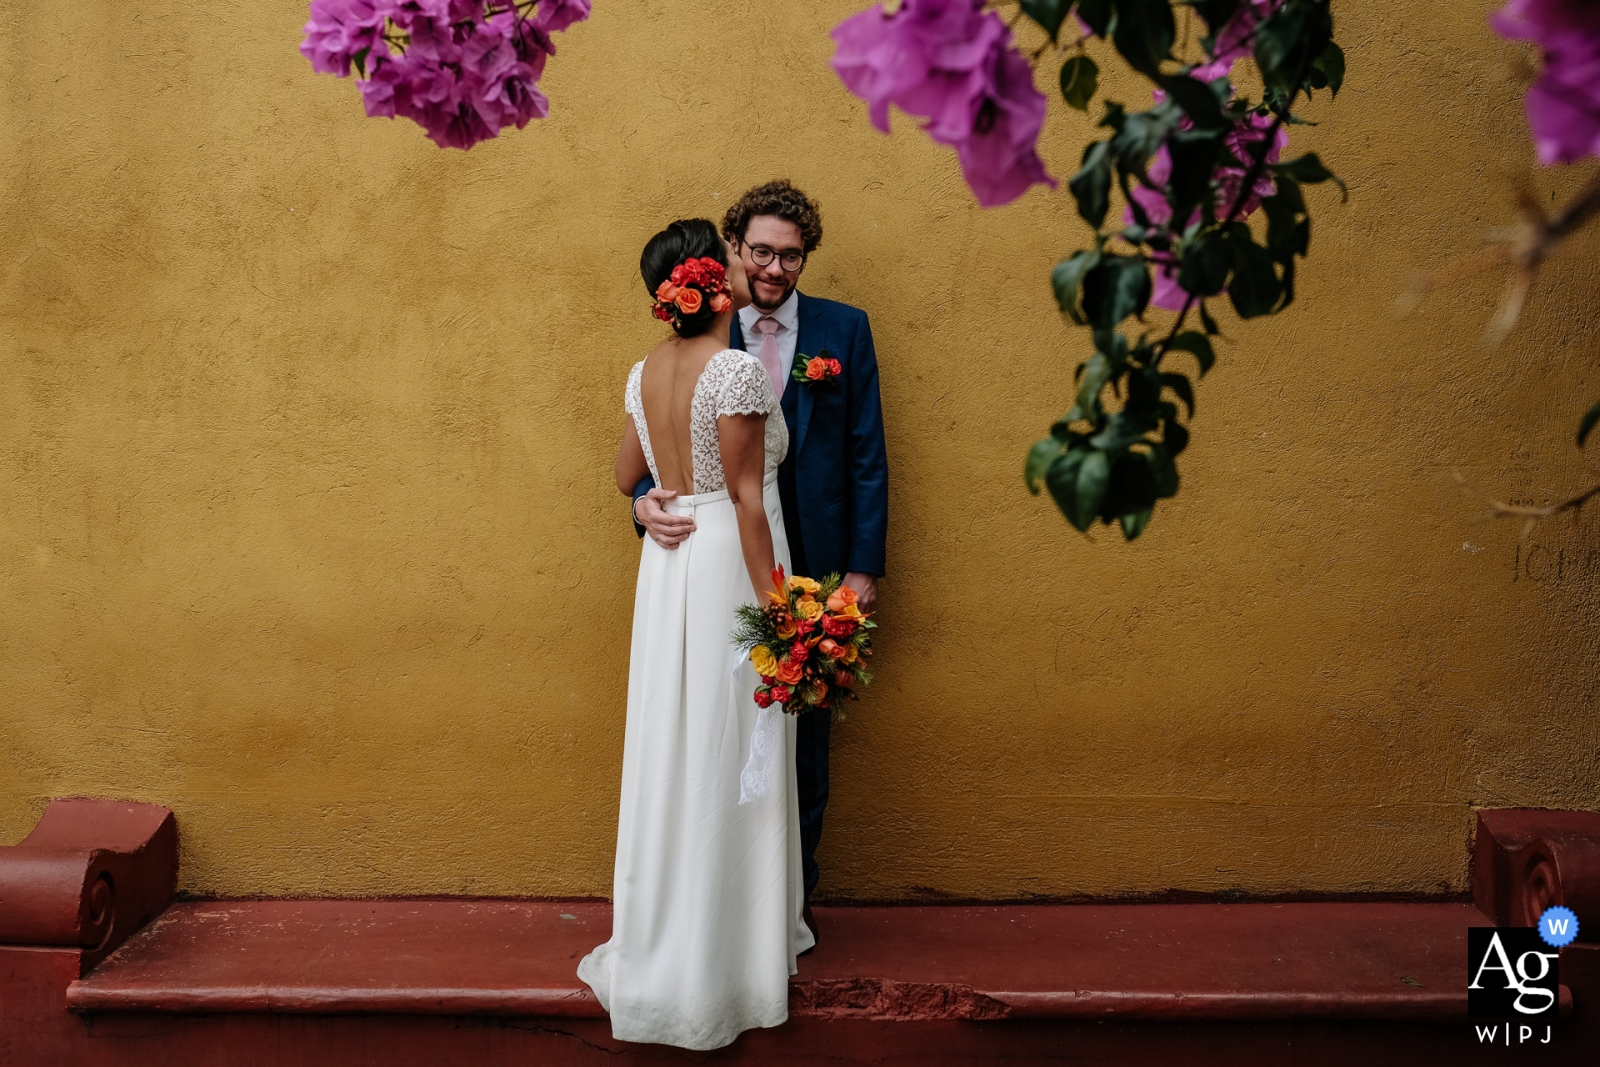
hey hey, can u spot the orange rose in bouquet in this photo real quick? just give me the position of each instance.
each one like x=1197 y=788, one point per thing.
x=809 y=643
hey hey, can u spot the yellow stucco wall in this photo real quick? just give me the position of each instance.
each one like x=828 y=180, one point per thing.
x=308 y=529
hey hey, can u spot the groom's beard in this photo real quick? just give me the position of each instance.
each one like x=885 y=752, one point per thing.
x=761 y=305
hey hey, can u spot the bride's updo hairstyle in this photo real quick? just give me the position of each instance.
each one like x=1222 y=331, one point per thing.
x=688 y=290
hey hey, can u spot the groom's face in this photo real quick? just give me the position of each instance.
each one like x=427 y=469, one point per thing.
x=770 y=284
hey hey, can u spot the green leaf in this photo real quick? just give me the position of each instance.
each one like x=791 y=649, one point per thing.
x=1277 y=36
x=1179 y=384
x=1175 y=437
x=1134 y=522
x=1197 y=344
x=1144 y=33
x=1215 y=12
x=1096 y=14
x=1080 y=77
x=1097 y=370
x=1204 y=267
x=1067 y=276
x=1040 y=456
x=1255 y=288
x=1133 y=487
x=1062 y=480
x=1309 y=170
x=1281 y=229
x=1196 y=99
x=1331 y=64
x=359 y=60
x=1194 y=159
x=1140 y=134
x=1165 y=470
x=1093 y=475
x=1117 y=287
x=1047 y=13
x=1288 y=190
x=1092 y=184
x=1590 y=417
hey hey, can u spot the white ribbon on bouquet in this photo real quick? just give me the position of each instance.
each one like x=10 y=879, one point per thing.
x=766 y=743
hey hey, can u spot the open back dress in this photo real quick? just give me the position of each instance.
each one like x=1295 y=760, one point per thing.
x=707 y=890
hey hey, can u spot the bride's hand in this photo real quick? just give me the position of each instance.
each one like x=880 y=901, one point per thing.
x=666 y=529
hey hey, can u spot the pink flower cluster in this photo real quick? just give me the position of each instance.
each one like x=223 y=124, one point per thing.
x=952 y=64
x=461 y=69
x=1229 y=175
x=1235 y=39
x=1564 y=104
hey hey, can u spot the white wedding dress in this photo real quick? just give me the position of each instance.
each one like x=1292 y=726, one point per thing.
x=707 y=891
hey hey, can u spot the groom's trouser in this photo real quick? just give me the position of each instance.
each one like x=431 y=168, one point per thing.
x=811 y=768
x=811 y=732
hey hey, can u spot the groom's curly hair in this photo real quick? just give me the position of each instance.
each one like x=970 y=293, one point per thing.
x=778 y=198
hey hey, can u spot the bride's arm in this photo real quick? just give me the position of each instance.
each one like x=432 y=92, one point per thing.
x=631 y=467
x=742 y=442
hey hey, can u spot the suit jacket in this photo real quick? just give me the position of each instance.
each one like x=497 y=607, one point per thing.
x=835 y=480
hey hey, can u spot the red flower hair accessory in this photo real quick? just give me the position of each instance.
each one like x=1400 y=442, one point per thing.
x=693 y=284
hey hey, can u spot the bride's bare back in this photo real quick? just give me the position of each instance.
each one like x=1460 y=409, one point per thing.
x=671 y=372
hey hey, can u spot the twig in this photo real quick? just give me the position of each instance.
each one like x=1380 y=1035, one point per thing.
x=1499 y=509
x=1525 y=246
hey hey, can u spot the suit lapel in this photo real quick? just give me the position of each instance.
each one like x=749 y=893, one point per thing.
x=808 y=343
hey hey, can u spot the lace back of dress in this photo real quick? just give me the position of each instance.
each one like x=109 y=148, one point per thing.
x=732 y=383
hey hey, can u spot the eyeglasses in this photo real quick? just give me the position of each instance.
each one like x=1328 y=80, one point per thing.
x=791 y=261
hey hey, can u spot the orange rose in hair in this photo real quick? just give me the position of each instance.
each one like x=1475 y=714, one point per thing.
x=667 y=292
x=688 y=300
x=721 y=302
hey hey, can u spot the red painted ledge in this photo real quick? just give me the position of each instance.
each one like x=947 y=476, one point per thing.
x=1150 y=962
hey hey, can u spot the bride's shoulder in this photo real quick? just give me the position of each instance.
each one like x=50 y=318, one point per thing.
x=734 y=357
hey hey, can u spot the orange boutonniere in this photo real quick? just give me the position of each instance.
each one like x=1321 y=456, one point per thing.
x=817 y=370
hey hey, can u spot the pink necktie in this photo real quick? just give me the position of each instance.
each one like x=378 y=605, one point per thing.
x=768 y=354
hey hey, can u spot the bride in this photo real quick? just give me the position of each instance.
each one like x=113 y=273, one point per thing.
x=707 y=889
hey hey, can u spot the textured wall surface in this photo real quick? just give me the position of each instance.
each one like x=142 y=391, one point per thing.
x=308 y=530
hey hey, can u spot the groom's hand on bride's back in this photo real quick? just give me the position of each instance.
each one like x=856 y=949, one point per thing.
x=665 y=528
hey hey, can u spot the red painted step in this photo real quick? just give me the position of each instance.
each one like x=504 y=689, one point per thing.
x=491 y=957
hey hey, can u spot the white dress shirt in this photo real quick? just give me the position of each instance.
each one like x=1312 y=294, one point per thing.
x=787 y=334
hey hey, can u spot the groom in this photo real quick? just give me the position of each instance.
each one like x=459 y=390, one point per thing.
x=834 y=484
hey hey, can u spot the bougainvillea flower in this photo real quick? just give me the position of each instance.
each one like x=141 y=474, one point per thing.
x=553 y=16
x=1240 y=146
x=1236 y=38
x=459 y=71
x=339 y=30
x=1563 y=106
x=950 y=63
x=1000 y=159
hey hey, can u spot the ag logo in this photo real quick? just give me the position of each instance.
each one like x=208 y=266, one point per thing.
x=1510 y=973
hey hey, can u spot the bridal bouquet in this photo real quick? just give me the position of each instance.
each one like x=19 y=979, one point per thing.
x=809 y=643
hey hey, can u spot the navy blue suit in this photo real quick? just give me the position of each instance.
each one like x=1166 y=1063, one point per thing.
x=835 y=490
